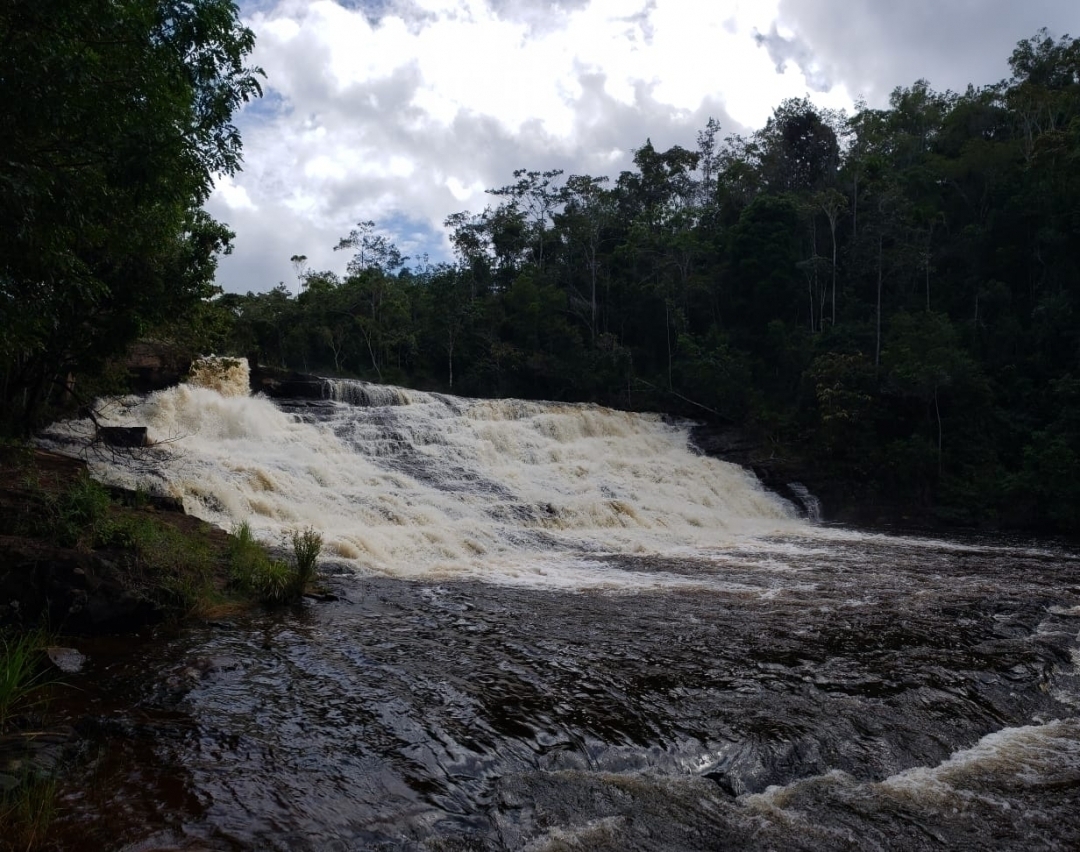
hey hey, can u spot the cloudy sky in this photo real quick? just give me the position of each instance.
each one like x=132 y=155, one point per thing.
x=404 y=111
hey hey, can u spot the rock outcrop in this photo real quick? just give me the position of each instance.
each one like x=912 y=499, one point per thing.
x=277 y=383
x=155 y=365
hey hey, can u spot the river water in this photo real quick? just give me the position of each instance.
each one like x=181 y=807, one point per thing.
x=557 y=627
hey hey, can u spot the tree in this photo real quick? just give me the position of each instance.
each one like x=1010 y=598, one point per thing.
x=117 y=117
x=586 y=212
x=925 y=362
x=800 y=149
x=299 y=262
x=452 y=309
x=832 y=204
x=535 y=195
x=373 y=250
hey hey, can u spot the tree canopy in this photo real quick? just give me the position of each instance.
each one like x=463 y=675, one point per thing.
x=117 y=115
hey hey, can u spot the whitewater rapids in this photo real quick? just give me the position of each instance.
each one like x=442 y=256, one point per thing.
x=410 y=484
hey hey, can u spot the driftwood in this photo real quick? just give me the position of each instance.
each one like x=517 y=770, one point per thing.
x=123 y=436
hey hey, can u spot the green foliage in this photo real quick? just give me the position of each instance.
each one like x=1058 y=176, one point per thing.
x=843 y=387
x=307 y=545
x=273 y=581
x=82 y=513
x=175 y=568
x=28 y=809
x=75 y=516
x=117 y=118
x=1047 y=486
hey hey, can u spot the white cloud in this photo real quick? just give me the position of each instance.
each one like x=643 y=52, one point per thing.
x=232 y=196
x=413 y=114
x=878 y=46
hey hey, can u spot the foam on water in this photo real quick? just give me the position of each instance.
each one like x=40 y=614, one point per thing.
x=1028 y=755
x=415 y=484
x=228 y=376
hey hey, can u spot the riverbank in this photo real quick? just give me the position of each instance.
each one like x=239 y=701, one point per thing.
x=79 y=559
x=84 y=559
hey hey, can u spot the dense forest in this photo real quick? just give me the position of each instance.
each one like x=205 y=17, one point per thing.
x=116 y=118
x=890 y=296
x=886 y=296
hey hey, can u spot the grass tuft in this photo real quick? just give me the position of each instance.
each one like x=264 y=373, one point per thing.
x=26 y=814
x=20 y=675
x=273 y=581
x=307 y=545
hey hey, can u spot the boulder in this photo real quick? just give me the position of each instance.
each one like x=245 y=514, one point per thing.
x=75 y=592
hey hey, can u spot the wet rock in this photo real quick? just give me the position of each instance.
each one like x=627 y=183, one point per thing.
x=154 y=365
x=35 y=754
x=285 y=384
x=77 y=592
x=68 y=660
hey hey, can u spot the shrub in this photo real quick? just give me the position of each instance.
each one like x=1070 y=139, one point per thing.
x=307 y=546
x=272 y=580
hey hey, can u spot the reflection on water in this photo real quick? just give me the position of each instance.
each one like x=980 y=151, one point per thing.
x=828 y=692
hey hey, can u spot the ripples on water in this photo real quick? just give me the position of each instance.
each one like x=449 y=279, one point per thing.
x=558 y=628
x=854 y=694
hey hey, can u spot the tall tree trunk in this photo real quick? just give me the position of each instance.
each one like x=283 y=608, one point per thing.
x=877 y=344
x=855 y=207
x=667 y=338
x=937 y=411
x=833 y=229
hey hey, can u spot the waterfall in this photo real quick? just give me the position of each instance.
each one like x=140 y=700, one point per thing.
x=367 y=394
x=406 y=483
x=810 y=503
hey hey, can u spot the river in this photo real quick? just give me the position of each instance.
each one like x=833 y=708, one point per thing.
x=557 y=627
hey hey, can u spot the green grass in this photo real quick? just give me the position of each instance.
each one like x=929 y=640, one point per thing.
x=176 y=569
x=27 y=810
x=307 y=545
x=20 y=677
x=273 y=581
x=26 y=814
x=76 y=516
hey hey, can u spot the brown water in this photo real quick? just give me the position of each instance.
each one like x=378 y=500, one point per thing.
x=832 y=691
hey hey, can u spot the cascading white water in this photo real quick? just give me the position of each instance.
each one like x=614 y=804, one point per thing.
x=419 y=484
x=228 y=376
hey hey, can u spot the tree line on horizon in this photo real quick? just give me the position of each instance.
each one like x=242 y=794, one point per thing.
x=889 y=296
